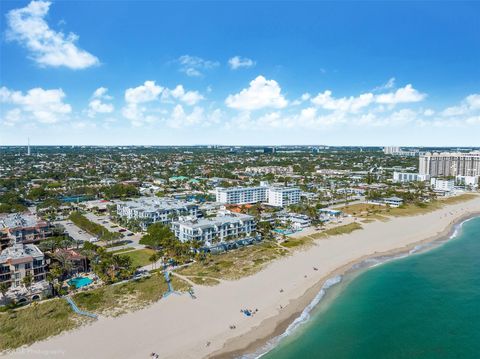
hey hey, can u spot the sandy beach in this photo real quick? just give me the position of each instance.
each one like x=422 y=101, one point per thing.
x=180 y=327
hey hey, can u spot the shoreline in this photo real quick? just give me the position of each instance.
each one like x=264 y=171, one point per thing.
x=179 y=327
x=275 y=327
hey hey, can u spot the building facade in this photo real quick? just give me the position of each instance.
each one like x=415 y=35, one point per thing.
x=23 y=228
x=401 y=177
x=273 y=196
x=283 y=196
x=442 y=185
x=224 y=227
x=450 y=164
x=150 y=210
x=241 y=195
x=20 y=260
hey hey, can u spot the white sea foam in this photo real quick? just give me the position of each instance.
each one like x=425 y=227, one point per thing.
x=302 y=318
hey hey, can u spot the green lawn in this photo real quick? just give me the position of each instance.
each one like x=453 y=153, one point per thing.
x=121 y=250
x=139 y=257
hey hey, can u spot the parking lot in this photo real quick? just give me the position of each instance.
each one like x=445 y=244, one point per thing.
x=74 y=231
x=104 y=221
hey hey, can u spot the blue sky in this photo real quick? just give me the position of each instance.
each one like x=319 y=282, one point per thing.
x=162 y=73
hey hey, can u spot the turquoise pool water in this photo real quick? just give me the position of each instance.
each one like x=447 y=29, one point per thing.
x=80 y=282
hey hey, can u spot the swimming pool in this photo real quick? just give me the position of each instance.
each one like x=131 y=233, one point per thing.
x=80 y=282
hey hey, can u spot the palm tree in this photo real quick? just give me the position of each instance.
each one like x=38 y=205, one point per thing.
x=52 y=277
x=154 y=258
x=4 y=287
x=27 y=280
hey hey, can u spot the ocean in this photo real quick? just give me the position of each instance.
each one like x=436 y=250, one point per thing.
x=424 y=305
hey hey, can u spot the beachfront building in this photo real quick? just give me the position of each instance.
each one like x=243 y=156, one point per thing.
x=295 y=221
x=442 y=185
x=393 y=201
x=403 y=177
x=224 y=227
x=148 y=210
x=470 y=181
x=241 y=195
x=20 y=260
x=23 y=228
x=326 y=214
x=283 y=196
x=450 y=164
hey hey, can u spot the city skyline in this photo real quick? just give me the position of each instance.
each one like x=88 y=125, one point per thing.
x=368 y=74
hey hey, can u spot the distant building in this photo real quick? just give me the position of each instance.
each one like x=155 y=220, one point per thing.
x=397 y=151
x=269 y=150
x=276 y=170
x=20 y=260
x=224 y=227
x=148 y=210
x=450 y=164
x=283 y=196
x=391 y=150
x=400 y=177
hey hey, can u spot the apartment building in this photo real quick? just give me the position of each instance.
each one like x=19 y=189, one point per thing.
x=397 y=151
x=148 y=210
x=241 y=195
x=442 y=185
x=20 y=260
x=23 y=228
x=276 y=170
x=450 y=164
x=224 y=227
x=272 y=195
x=402 y=177
x=283 y=196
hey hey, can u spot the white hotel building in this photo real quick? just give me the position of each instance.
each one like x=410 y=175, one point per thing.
x=224 y=227
x=273 y=196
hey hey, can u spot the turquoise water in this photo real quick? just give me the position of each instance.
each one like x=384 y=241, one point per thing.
x=80 y=282
x=426 y=305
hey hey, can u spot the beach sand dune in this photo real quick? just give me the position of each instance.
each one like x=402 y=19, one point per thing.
x=180 y=327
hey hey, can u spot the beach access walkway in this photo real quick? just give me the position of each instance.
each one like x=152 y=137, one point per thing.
x=77 y=310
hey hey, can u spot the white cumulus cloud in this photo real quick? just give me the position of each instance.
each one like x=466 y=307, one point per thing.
x=97 y=104
x=402 y=95
x=261 y=93
x=189 y=97
x=47 y=47
x=195 y=66
x=344 y=104
x=45 y=106
x=238 y=62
